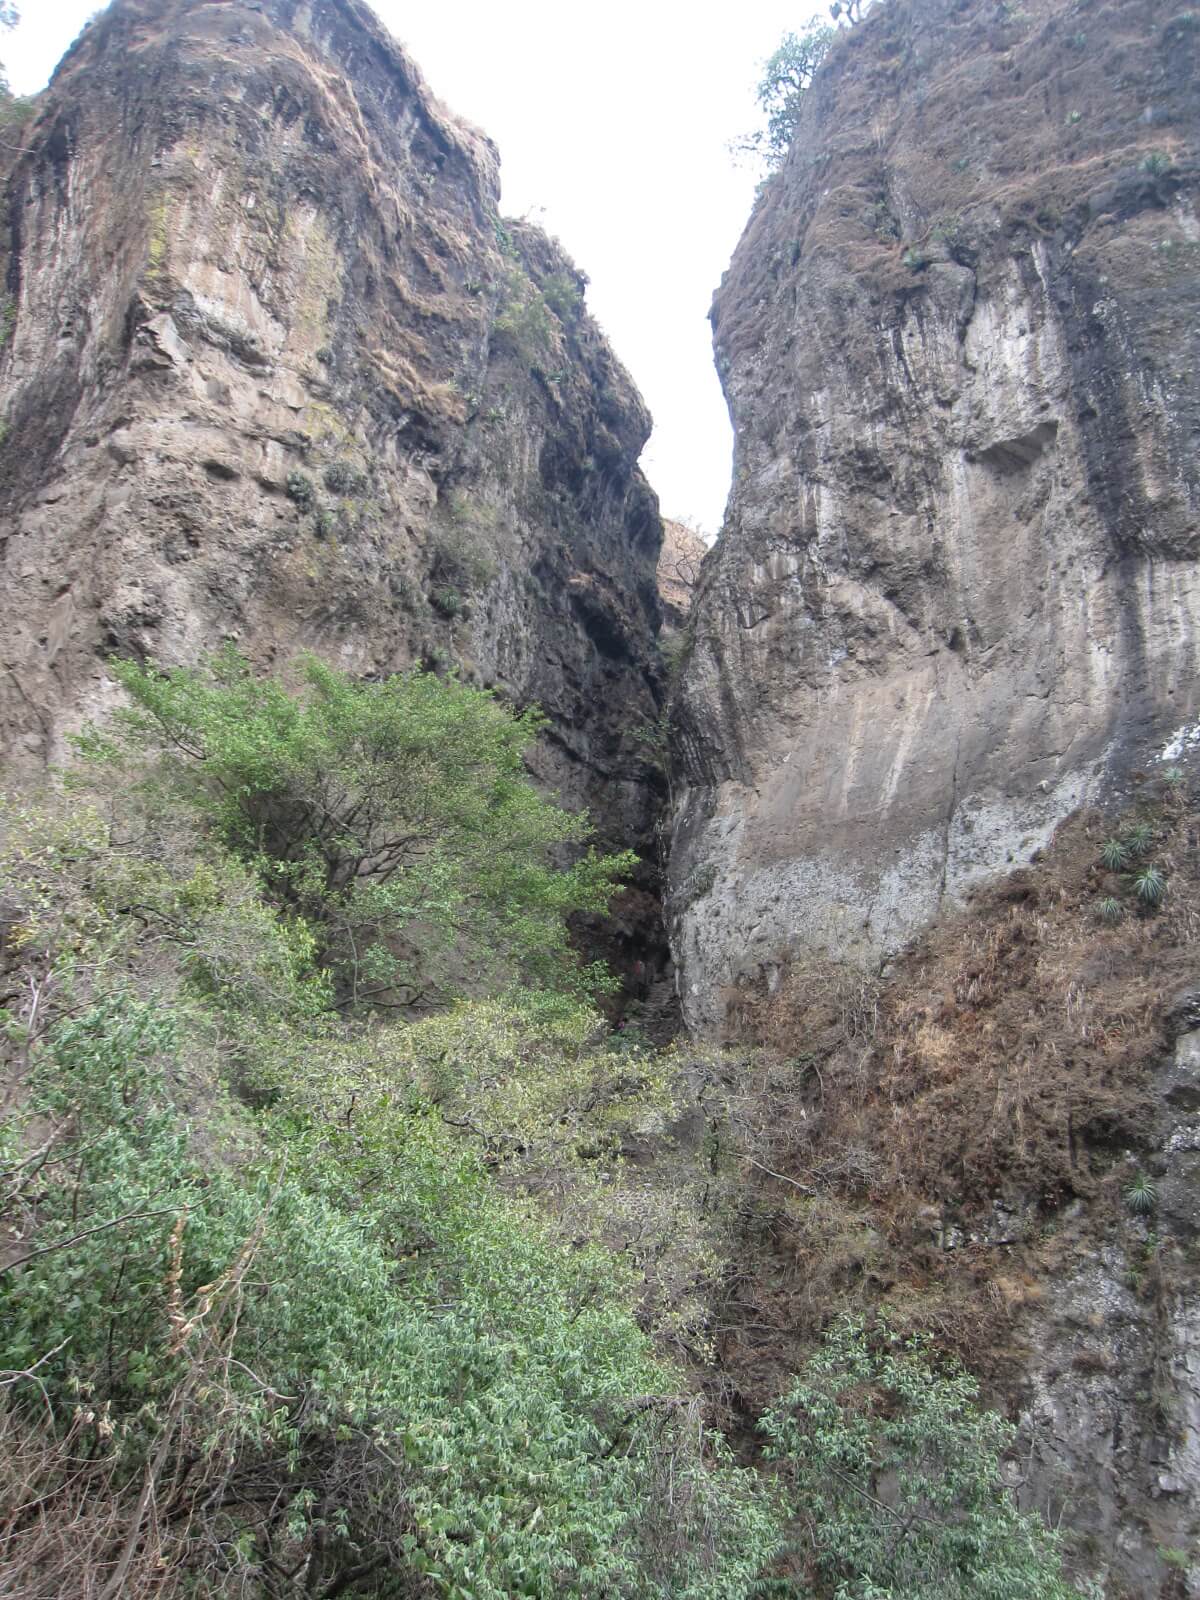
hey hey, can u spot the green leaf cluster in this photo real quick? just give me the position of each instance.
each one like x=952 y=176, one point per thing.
x=897 y=1476
x=787 y=75
x=301 y=1298
x=395 y=818
x=316 y=1336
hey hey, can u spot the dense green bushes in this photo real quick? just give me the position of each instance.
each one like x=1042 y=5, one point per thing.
x=896 y=1475
x=396 y=818
x=280 y=1315
x=342 y=1325
x=266 y=1350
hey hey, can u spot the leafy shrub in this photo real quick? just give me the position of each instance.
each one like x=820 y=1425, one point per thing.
x=896 y=1473
x=300 y=489
x=396 y=818
x=787 y=75
x=341 y=478
x=561 y=292
x=522 y=322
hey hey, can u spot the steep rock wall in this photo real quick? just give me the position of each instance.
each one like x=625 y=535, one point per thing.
x=277 y=371
x=957 y=591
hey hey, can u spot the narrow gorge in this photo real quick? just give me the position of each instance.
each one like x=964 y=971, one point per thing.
x=496 y=1273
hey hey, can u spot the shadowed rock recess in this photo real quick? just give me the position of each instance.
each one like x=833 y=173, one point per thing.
x=957 y=592
x=278 y=372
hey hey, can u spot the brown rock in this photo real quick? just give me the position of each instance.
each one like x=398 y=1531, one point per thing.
x=277 y=369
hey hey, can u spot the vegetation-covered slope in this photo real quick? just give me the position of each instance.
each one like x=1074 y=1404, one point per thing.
x=303 y=1294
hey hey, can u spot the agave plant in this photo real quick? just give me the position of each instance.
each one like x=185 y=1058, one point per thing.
x=1114 y=855
x=1150 y=885
x=1139 y=838
x=1110 y=908
x=1140 y=1194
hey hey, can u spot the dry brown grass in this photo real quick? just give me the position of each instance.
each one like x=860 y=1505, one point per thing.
x=1006 y=1060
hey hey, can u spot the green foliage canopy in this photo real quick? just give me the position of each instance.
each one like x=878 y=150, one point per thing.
x=787 y=74
x=396 y=817
x=896 y=1471
x=306 y=1345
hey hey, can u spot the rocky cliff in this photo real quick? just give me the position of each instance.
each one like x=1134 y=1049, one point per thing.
x=275 y=370
x=956 y=601
x=679 y=562
x=957 y=592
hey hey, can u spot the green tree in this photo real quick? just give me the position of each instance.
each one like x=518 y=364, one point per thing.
x=396 y=818
x=786 y=77
x=896 y=1474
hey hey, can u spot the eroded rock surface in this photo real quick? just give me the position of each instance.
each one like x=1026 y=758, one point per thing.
x=1110 y=1416
x=679 y=561
x=276 y=371
x=957 y=591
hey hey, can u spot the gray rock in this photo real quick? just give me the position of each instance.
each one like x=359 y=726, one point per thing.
x=956 y=595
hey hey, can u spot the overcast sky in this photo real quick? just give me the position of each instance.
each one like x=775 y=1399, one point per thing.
x=612 y=123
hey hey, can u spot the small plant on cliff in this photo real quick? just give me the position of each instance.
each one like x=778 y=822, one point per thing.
x=341 y=478
x=787 y=75
x=1157 y=163
x=446 y=600
x=522 y=321
x=300 y=489
x=1140 y=1194
x=1140 y=838
x=562 y=294
x=896 y=1471
x=460 y=556
x=1172 y=1556
x=1114 y=853
x=1110 y=909
x=1150 y=886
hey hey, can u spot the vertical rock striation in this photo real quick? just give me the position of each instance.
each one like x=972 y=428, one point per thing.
x=276 y=371
x=957 y=591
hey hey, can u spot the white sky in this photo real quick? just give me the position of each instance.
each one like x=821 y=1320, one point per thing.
x=612 y=123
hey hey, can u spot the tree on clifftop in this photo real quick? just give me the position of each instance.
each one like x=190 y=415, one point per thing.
x=787 y=74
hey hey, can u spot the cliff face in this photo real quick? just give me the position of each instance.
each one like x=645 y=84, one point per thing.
x=956 y=599
x=275 y=370
x=957 y=591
